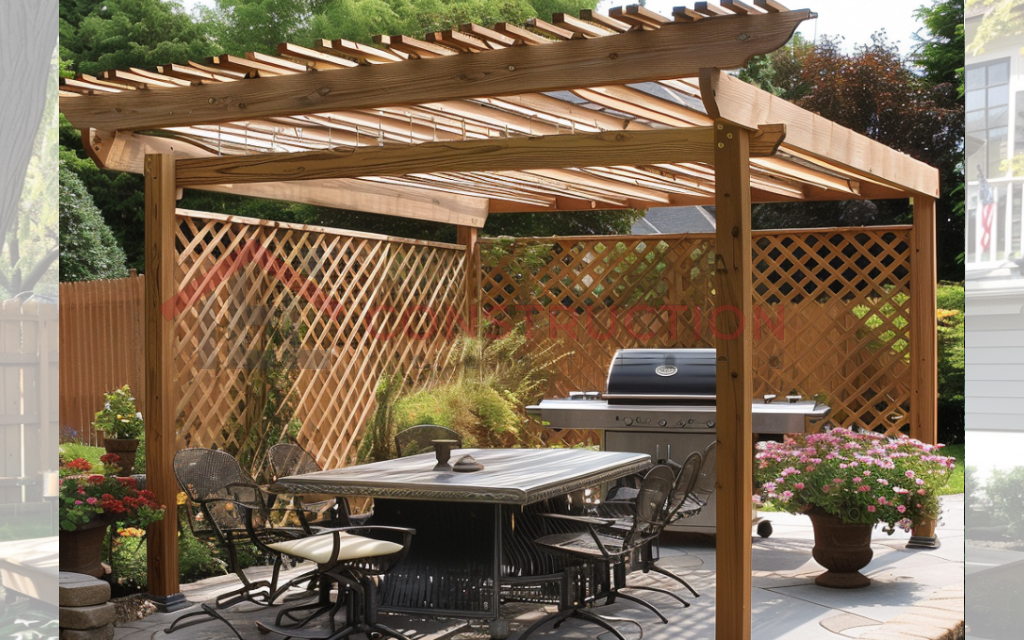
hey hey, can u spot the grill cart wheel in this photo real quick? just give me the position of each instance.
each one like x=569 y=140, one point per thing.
x=764 y=528
x=499 y=629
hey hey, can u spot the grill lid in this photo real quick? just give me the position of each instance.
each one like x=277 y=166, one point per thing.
x=671 y=376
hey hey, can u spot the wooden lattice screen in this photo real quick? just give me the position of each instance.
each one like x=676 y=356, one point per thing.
x=831 y=309
x=298 y=317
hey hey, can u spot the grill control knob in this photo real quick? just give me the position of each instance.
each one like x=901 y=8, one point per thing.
x=711 y=424
x=662 y=423
x=628 y=421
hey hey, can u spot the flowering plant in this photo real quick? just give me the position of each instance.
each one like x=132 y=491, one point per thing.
x=85 y=497
x=861 y=478
x=119 y=418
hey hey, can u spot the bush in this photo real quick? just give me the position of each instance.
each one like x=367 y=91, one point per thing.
x=951 y=362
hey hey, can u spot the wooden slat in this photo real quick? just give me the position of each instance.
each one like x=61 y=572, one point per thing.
x=582 y=27
x=709 y=9
x=622 y=58
x=458 y=40
x=488 y=35
x=519 y=34
x=924 y=330
x=160 y=417
x=685 y=14
x=607 y=22
x=771 y=6
x=314 y=58
x=580 y=150
x=639 y=16
x=415 y=48
x=359 y=52
x=748 y=106
x=546 y=28
x=734 y=383
x=739 y=7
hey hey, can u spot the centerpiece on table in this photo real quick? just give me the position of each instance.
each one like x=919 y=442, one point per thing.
x=91 y=502
x=848 y=482
x=122 y=425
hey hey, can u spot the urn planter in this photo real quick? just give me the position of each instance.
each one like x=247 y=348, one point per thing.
x=81 y=550
x=843 y=549
x=125 y=449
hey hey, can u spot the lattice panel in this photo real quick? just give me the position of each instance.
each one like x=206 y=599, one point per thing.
x=333 y=310
x=839 y=299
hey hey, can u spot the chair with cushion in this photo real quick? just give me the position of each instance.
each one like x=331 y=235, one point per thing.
x=215 y=486
x=288 y=459
x=418 y=439
x=356 y=563
x=597 y=547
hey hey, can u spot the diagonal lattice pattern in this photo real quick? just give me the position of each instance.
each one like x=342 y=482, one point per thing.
x=831 y=309
x=303 y=320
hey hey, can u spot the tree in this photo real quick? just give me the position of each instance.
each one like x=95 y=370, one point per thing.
x=88 y=250
x=1001 y=18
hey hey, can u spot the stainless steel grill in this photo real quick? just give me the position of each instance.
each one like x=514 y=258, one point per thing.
x=663 y=402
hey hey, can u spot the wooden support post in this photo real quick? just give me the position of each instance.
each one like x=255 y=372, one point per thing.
x=734 y=381
x=161 y=439
x=924 y=334
x=469 y=236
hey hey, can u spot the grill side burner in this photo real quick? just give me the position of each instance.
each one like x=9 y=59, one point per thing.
x=662 y=402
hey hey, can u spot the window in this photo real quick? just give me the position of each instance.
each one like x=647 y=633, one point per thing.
x=987 y=102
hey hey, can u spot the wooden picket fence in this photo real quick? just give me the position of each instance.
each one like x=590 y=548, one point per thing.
x=29 y=360
x=101 y=333
x=831 y=309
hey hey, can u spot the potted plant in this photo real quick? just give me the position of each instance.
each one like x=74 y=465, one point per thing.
x=848 y=482
x=122 y=425
x=91 y=502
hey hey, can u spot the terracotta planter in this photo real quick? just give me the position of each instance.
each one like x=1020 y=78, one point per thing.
x=843 y=549
x=125 y=448
x=81 y=550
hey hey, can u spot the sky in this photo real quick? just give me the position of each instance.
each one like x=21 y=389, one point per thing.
x=854 y=20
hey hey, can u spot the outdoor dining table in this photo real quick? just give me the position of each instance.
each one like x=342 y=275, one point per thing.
x=466 y=542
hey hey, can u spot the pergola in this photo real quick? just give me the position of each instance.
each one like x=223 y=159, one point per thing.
x=630 y=109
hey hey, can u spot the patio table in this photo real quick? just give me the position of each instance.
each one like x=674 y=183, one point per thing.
x=467 y=540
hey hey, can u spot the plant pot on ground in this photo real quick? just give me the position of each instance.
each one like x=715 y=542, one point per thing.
x=122 y=426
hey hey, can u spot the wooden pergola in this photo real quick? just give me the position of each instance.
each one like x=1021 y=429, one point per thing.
x=630 y=109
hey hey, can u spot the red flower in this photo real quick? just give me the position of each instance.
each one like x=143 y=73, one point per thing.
x=79 y=464
x=128 y=481
x=95 y=479
x=110 y=458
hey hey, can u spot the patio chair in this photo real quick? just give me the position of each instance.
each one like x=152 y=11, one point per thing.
x=354 y=562
x=286 y=459
x=418 y=439
x=599 y=546
x=216 y=485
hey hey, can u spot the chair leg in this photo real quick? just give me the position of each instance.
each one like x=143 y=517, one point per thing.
x=643 y=603
x=667 y=573
x=603 y=622
x=662 y=591
x=205 y=610
x=558 y=617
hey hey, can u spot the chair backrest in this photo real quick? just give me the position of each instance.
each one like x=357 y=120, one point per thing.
x=686 y=480
x=651 y=504
x=418 y=439
x=288 y=459
x=207 y=477
x=708 y=472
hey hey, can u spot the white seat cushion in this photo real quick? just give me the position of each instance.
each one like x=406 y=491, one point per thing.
x=318 y=548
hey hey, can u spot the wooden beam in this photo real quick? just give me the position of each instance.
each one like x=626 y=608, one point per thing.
x=607 y=148
x=161 y=404
x=734 y=347
x=469 y=237
x=125 y=152
x=924 y=323
x=676 y=50
x=748 y=106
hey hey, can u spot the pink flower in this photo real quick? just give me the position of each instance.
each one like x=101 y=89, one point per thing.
x=883 y=481
x=91 y=500
x=799 y=485
x=901 y=508
x=871 y=508
x=882 y=501
x=858 y=480
x=863 y=488
x=838 y=480
x=77 y=502
x=909 y=473
x=919 y=481
x=921 y=492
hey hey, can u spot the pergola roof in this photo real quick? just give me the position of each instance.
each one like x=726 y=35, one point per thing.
x=509 y=87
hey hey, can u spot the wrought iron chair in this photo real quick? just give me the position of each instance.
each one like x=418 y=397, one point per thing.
x=286 y=459
x=356 y=563
x=418 y=439
x=599 y=546
x=217 y=488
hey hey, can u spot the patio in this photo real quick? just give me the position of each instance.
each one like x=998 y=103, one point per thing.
x=628 y=110
x=916 y=594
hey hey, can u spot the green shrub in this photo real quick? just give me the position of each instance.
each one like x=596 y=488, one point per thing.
x=951 y=362
x=1005 y=494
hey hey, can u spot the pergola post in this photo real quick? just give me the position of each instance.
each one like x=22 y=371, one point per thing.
x=161 y=438
x=924 y=332
x=469 y=236
x=734 y=346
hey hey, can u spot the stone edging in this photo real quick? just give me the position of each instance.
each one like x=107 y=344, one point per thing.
x=940 y=617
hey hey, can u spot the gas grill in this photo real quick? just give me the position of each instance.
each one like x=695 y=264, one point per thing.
x=662 y=402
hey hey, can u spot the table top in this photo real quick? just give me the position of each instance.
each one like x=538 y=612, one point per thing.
x=509 y=476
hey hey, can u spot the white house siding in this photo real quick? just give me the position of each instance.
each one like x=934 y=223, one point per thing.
x=995 y=374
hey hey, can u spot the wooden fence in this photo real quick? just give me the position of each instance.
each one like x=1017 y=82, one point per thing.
x=831 y=309
x=29 y=359
x=101 y=337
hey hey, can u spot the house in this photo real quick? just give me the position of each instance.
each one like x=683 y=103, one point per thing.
x=669 y=220
x=994 y=280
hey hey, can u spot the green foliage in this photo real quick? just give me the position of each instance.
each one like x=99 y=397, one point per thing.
x=75 y=450
x=566 y=223
x=88 y=250
x=1005 y=493
x=951 y=362
x=379 y=434
x=957 y=481
x=1003 y=18
x=119 y=418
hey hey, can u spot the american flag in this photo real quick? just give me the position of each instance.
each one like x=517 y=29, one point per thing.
x=988 y=208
